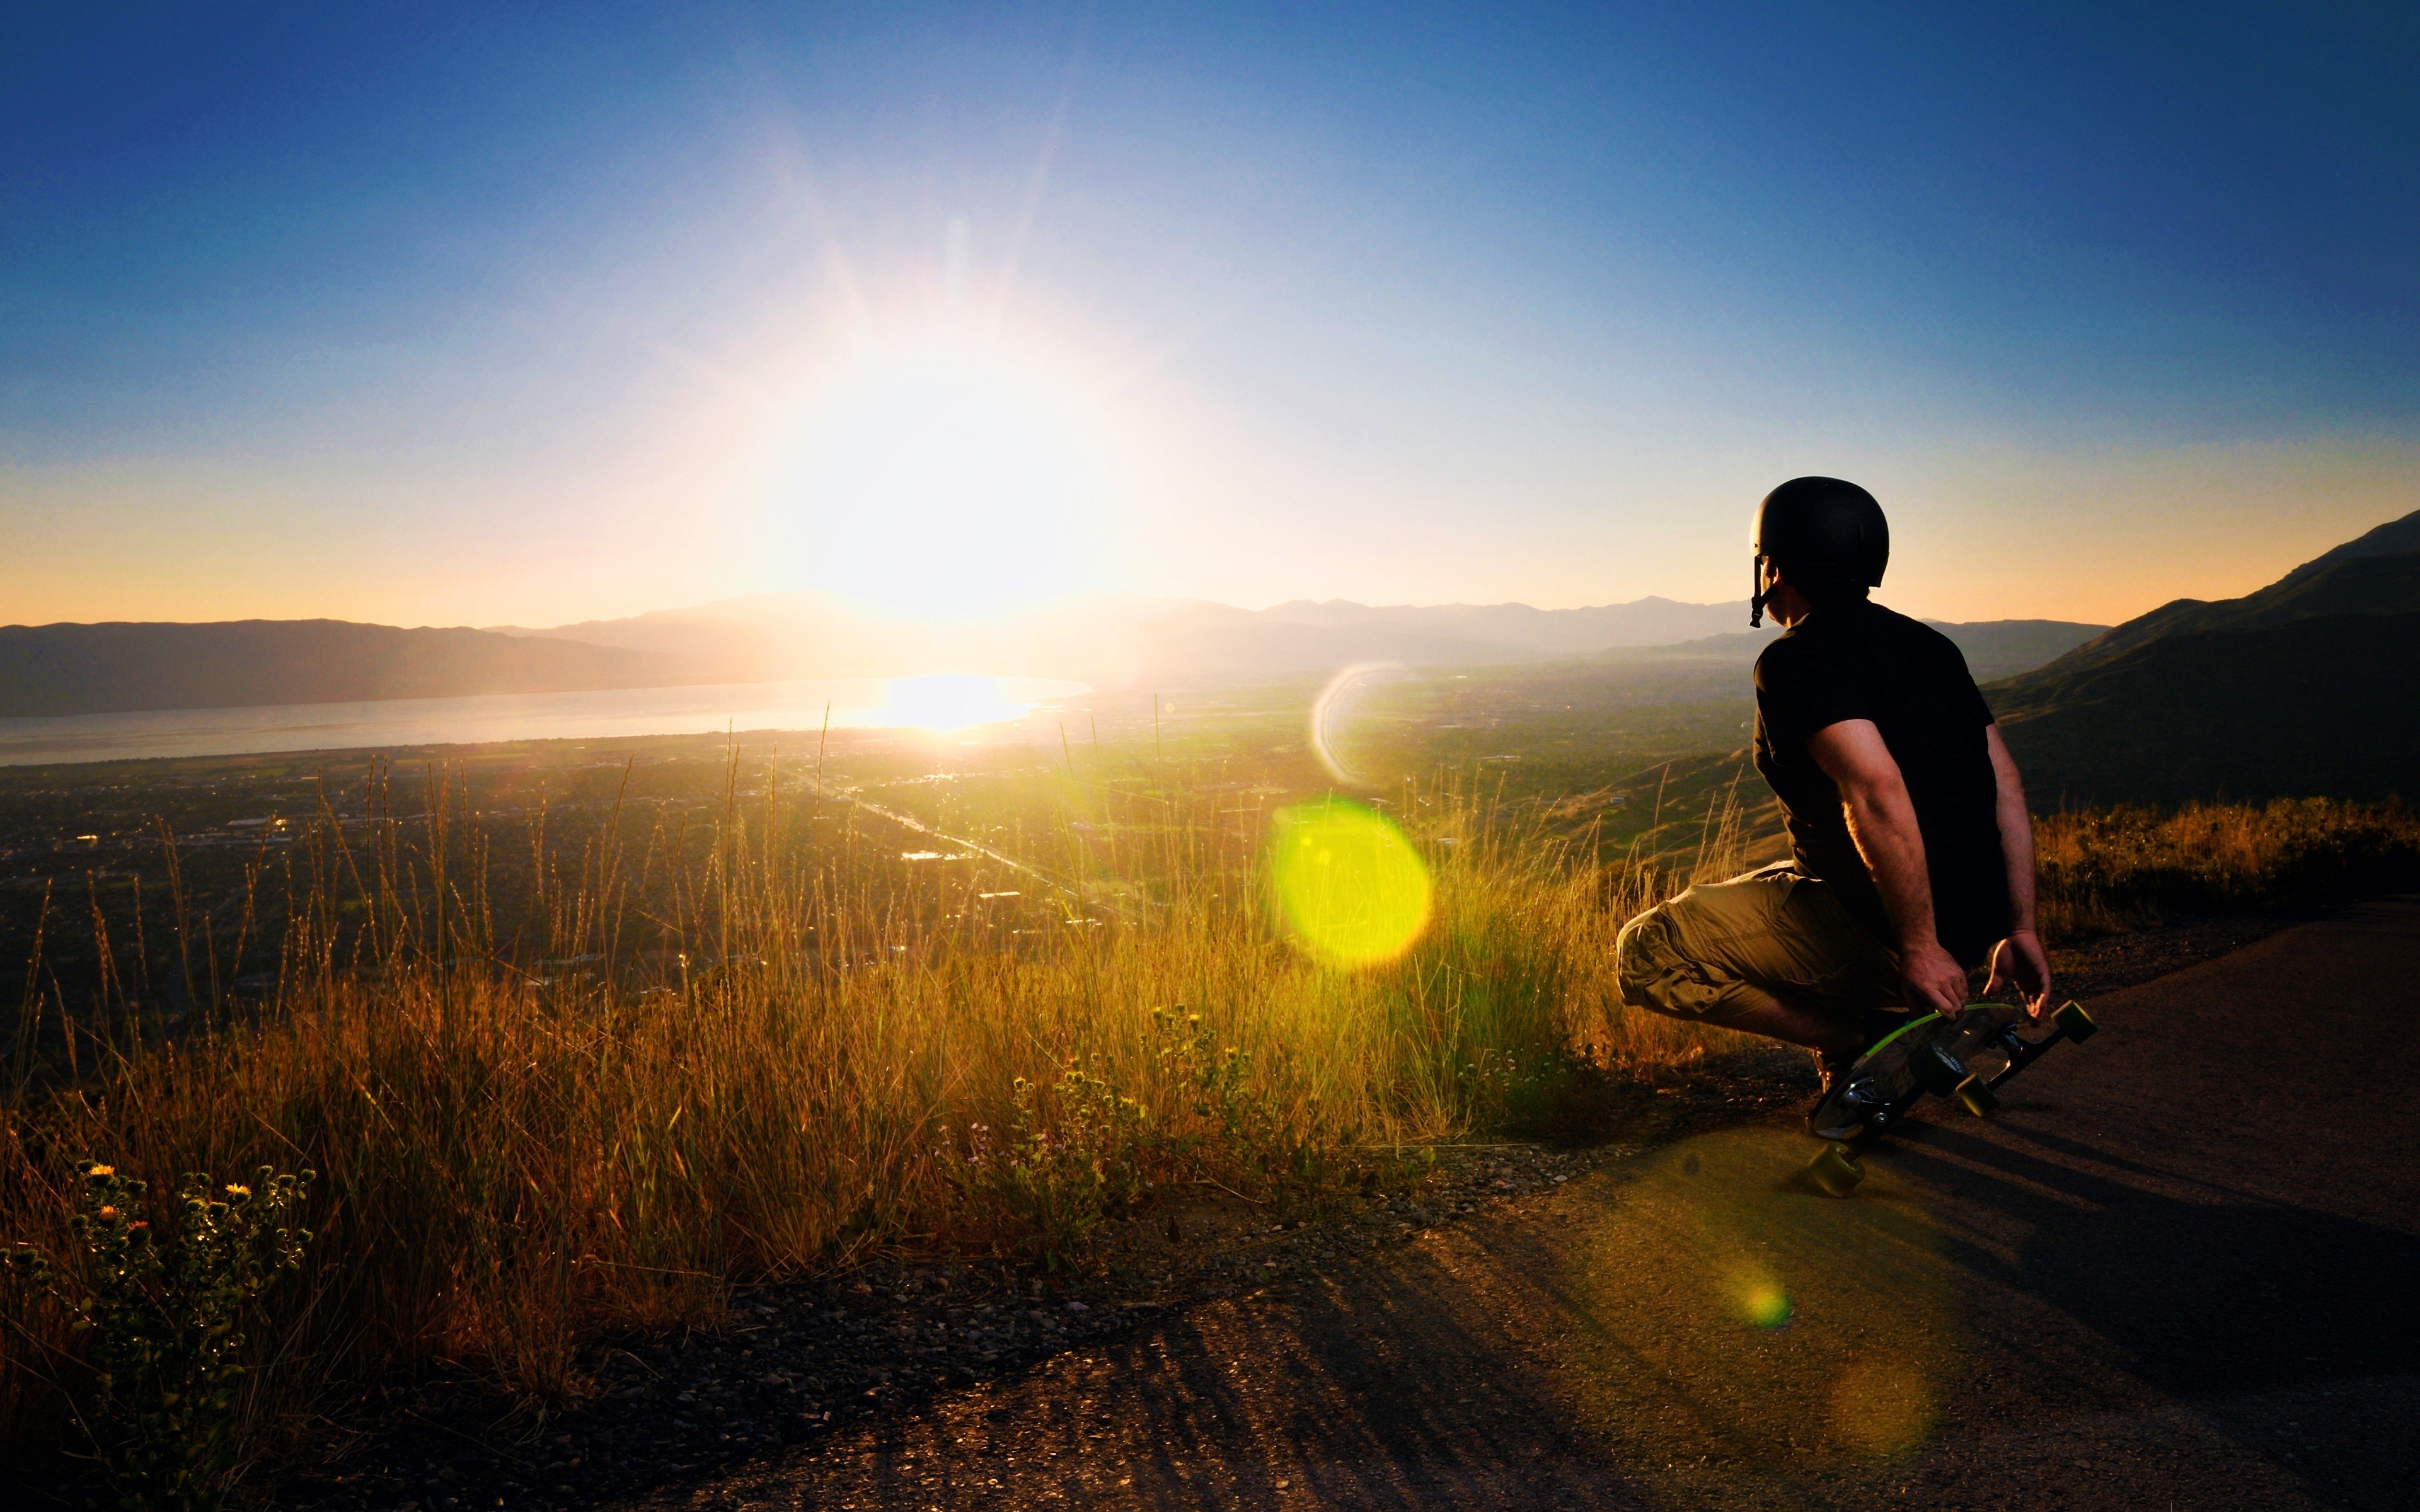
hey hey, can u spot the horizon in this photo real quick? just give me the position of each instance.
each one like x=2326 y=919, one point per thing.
x=490 y=320
x=854 y=609
x=1042 y=609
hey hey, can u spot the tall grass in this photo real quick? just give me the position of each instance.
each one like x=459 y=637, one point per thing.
x=672 y=1054
x=2111 y=870
x=763 y=1065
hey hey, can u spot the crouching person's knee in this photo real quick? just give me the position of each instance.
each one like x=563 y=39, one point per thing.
x=1657 y=971
x=1649 y=965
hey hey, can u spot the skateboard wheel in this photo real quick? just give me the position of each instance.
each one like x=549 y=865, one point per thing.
x=1836 y=1171
x=2074 y=1022
x=1979 y=1097
x=1936 y=1071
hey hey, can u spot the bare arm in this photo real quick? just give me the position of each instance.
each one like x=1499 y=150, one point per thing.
x=1881 y=821
x=2018 y=959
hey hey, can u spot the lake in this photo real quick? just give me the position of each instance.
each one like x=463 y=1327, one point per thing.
x=943 y=703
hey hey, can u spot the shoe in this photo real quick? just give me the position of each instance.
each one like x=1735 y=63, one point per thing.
x=1877 y=1026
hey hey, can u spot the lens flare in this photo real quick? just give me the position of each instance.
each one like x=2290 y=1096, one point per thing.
x=1333 y=710
x=1766 y=1307
x=1755 y=1298
x=1346 y=884
x=1834 y=1326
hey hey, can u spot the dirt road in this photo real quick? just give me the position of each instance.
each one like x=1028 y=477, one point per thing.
x=2181 y=1268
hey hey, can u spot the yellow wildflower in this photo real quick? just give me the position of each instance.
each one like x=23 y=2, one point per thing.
x=100 y=1171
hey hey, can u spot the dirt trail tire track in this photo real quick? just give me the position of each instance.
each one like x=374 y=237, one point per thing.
x=2178 y=1269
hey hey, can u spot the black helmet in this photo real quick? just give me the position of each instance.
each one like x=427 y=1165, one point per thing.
x=1820 y=531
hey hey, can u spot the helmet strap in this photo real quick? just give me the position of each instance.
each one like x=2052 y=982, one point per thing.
x=1757 y=593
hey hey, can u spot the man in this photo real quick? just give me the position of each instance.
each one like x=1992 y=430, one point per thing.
x=1912 y=855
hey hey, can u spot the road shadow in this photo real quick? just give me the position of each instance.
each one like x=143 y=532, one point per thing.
x=2240 y=1306
x=2228 y=1296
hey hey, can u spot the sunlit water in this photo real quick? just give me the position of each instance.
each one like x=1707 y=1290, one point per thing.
x=933 y=704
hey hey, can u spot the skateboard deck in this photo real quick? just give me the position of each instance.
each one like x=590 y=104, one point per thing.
x=1939 y=1054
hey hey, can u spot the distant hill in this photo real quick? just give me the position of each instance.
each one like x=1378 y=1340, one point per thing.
x=2305 y=688
x=2363 y=576
x=1111 y=641
x=2321 y=706
x=1644 y=622
x=117 y=668
x=1993 y=648
x=2396 y=537
x=1120 y=639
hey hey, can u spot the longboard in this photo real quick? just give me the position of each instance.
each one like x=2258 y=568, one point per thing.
x=1936 y=1054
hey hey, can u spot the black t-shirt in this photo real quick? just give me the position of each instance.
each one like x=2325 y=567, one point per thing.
x=1858 y=660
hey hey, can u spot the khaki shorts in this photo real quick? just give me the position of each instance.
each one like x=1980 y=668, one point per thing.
x=1722 y=948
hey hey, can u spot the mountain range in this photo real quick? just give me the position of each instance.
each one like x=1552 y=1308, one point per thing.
x=2310 y=686
x=1109 y=641
x=116 y=668
x=1993 y=648
x=1117 y=639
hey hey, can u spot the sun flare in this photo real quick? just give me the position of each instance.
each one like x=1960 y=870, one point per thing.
x=948 y=706
x=950 y=478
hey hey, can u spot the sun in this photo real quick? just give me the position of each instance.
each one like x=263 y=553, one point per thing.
x=948 y=477
x=948 y=706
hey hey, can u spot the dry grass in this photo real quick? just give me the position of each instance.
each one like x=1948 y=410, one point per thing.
x=2114 y=869
x=774 y=1067
x=510 y=1163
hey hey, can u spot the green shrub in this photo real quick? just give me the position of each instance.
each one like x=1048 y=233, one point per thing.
x=164 y=1319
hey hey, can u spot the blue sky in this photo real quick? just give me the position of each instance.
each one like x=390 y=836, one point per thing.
x=485 y=315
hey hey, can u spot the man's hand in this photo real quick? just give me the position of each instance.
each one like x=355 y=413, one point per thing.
x=2018 y=962
x=1933 y=979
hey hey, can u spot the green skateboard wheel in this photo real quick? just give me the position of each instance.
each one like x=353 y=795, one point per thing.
x=1979 y=1097
x=1835 y=1171
x=2075 y=1023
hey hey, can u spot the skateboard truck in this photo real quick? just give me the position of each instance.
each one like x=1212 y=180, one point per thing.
x=2070 y=1022
x=1933 y=1067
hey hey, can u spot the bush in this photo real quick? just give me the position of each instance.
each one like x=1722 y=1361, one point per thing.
x=162 y=1320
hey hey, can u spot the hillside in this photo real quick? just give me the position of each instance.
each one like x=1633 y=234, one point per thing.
x=2395 y=538
x=2377 y=574
x=2324 y=705
x=117 y=668
x=2305 y=688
